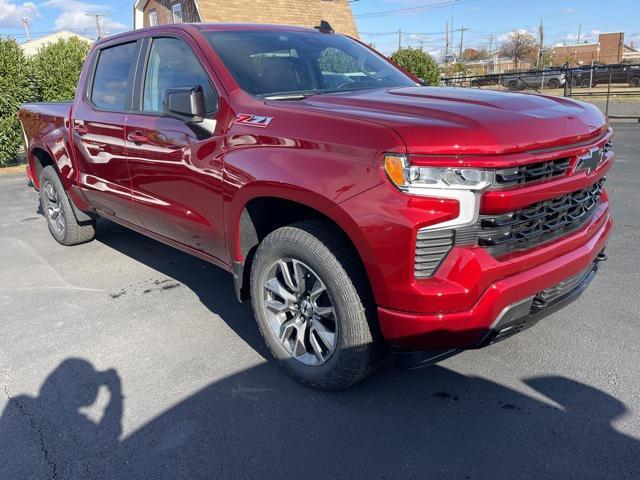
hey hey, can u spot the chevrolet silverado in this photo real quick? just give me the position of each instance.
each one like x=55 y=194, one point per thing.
x=357 y=210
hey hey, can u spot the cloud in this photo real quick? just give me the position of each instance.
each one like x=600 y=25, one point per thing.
x=570 y=10
x=589 y=37
x=72 y=6
x=11 y=14
x=80 y=22
x=505 y=37
x=74 y=17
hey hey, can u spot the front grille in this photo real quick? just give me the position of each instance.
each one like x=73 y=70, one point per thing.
x=431 y=248
x=509 y=177
x=539 y=223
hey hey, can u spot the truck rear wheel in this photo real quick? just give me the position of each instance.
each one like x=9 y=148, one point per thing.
x=61 y=219
x=310 y=305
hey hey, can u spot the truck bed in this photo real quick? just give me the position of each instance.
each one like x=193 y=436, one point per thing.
x=44 y=123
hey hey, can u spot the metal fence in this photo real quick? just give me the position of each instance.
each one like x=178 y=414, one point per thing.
x=615 y=89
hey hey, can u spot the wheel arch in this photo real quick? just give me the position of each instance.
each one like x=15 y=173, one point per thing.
x=253 y=218
x=38 y=158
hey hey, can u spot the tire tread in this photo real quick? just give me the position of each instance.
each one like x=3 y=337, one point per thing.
x=328 y=244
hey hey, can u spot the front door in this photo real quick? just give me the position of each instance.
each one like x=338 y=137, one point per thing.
x=176 y=166
x=98 y=131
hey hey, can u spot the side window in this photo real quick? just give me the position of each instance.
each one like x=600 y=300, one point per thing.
x=173 y=64
x=111 y=76
x=153 y=18
x=176 y=11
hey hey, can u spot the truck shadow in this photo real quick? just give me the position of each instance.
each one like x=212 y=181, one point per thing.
x=256 y=424
x=212 y=285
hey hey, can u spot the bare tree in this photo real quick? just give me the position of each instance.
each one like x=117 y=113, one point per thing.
x=521 y=45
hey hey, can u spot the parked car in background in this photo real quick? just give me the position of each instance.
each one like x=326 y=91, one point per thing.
x=551 y=78
x=603 y=75
x=355 y=209
x=485 y=80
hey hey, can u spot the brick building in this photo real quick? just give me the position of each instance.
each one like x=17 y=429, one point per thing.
x=609 y=48
x=306 y=13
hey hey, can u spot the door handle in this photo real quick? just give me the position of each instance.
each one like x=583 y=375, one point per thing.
x=137 y=138
x=80 y=129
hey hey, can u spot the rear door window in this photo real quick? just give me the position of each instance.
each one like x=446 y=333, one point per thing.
x=111 y=79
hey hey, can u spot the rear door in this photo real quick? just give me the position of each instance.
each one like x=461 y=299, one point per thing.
x=98 y=123
x=176 y=167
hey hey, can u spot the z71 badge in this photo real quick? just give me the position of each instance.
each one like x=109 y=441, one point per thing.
x=253 y=120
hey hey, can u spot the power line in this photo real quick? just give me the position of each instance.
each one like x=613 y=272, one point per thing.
x=402 y=11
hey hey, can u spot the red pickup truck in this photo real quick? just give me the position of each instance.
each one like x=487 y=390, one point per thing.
x=356 y=209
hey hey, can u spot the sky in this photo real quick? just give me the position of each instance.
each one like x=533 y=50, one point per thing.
x=421 y=21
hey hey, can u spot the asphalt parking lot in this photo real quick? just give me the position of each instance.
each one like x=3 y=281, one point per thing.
x=124 y=358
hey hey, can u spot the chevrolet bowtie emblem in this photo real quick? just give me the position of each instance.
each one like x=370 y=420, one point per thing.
x=590 y=161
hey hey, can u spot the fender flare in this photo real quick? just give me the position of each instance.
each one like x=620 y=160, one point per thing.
x=307 y=198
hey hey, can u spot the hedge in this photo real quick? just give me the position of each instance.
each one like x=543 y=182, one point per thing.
x=15 y=88
x=419 y=63
x=51 y=75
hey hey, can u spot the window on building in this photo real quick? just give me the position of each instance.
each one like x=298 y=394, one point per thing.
x=176 y=10
x=111 y=77
x=153 y=18
x=172 y=64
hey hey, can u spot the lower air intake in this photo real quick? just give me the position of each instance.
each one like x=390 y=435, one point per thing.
x=431 y=248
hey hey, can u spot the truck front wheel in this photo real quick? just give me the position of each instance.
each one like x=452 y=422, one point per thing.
x=311 y=306
x=61 y=219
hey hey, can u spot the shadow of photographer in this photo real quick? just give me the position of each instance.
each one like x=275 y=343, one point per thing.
x=259 y=424
x=51 y=426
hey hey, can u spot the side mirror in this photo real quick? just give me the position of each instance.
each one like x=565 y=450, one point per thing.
x=185 y=103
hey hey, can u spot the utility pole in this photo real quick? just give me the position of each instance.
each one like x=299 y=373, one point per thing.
x=541 y=42
x=579 y=32
x=399 y=39
x=446 y=38
x=25 y=22
x=461 y=30
x=490 y=43
x=452 y=47
x=97 y=17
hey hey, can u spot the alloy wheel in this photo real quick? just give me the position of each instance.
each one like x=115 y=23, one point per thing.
x=53 y=207
x=300 y=311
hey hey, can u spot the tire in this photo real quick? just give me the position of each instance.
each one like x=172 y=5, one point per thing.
x=634 y=82
x=512 y=85
x=584 y=83
x=346 y=329
x=61 y=219
x=554 y=83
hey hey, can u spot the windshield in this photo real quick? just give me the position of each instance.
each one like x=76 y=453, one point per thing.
x=280 y=64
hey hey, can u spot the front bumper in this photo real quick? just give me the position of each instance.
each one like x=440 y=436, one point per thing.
x=505 y=307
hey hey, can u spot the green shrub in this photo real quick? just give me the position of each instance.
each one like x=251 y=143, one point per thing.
x=14 y=90
x=57 y=67
x=418 y=63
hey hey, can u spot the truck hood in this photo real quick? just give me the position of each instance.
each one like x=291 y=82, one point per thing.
x=433 y=120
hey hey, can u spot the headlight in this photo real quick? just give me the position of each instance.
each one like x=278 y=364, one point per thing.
x=411 y=178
